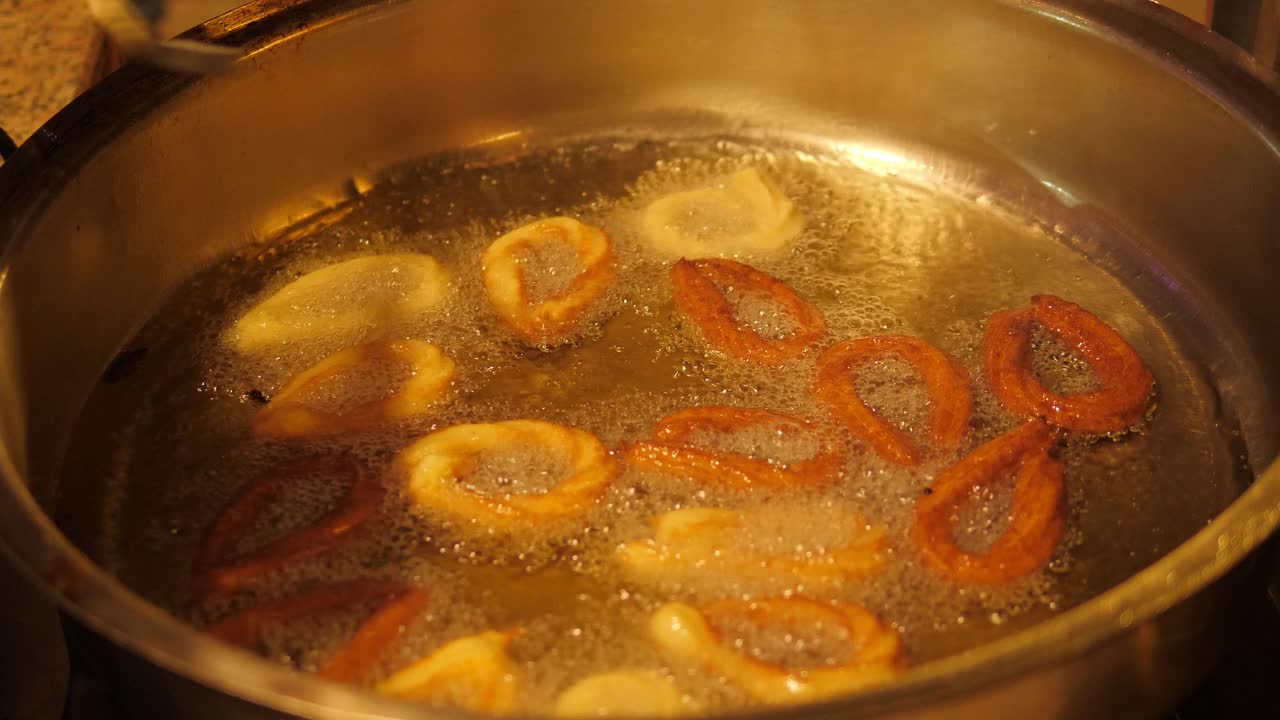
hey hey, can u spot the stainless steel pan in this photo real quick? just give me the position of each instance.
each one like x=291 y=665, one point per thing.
x=1099 y=114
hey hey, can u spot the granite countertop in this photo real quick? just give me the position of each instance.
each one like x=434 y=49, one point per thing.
x=49 y=50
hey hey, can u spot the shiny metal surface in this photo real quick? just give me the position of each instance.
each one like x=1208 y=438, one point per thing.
x=1088 y=112
x=134 y=26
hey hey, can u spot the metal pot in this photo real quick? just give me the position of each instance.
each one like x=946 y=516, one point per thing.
x=1095 y=112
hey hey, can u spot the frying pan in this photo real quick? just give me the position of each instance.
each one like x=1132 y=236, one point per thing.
x=1117 y=120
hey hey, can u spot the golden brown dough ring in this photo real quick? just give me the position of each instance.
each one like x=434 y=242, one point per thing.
x=668 y=452
x=1037 y=515
x=554 y=320
x=434 y=465
x=624 y=693
x=345 y=300
x=746 y=214
x=686 y=634
x=473 y=673
x=698 y=296
x=1126 y=381
x=697 y=543
x=950 y=396
x=287 y=416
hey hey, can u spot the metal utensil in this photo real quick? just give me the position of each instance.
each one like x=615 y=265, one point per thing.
x=132 y=25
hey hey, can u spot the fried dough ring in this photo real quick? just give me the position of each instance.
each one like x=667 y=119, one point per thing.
x=698 y=296
x=744 y=195
x=949 y=393
x=474 y=672
x=1037 y=513
x=400 y=603
x=669 y=454
x=624 y=693
x=217 y=572
x=1126 y=382
x=363 y=652
x=434 y=465
x=687 y=634
x=305 y=310
x=554 y=320
x=695 y=543
x=286 y=416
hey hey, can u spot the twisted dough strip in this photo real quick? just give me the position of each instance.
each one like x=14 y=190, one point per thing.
x=950 y=397
x=287 y=416
x=400 y=604
x=698 y=295
x=554 y=320
x=669 y=454
x=434 y=464
x=699 y=542
x=1037 y=513
x=1127 y=383
x=474 y=673
x=216 y=571
x=687 y=634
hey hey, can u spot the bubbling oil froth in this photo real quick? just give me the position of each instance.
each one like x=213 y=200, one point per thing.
x=638 y=362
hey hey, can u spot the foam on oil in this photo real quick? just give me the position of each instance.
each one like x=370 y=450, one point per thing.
x=876 y=256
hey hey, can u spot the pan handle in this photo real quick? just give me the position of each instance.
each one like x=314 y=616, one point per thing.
x=7 y=145
x=1253 y=25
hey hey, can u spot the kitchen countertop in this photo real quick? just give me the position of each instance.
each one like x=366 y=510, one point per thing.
x=50 y=47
